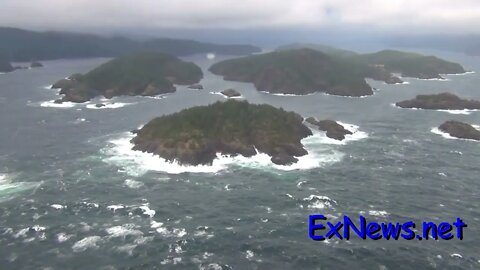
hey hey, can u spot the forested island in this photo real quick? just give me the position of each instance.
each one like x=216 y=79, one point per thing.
x=194 y=136
x=329 y=70
x=442 y=101
x=460 y=130
x=23 y=45
x=142 y=74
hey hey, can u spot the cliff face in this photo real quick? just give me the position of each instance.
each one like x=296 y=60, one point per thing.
x=144 y=74
x=442 y=101
x=460 y=130
x=194 y=136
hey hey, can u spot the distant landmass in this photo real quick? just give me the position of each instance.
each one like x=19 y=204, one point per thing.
x=298 y=72
x=22 y=45
x=143 y=74
x=442 y=101
x=460 y=130
x=194 y=136
x=5 y=65
x=326 y=69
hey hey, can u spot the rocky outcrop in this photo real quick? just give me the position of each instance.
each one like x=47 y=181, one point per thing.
x=443 y=101
x=333 y=129
x=460 y=130
x=196 y=86
x=230 y=93
x=36 y=64
x=194 y=136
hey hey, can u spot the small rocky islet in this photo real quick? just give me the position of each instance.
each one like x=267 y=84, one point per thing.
x=442 y=101
x=460 y=130
x=333 y=129
x=140 y=74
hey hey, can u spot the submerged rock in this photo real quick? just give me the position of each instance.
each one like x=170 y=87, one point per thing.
x=332 y=128
x=460 y=130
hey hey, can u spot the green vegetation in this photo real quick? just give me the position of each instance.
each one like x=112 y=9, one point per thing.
x=296 y=72
x=145 y=74
x=442 y=101
x=318 y=47
x=411 y=64
x=22 y=45
x=195 y=135
x=307 y=68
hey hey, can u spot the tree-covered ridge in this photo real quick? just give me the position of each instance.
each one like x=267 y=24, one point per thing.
x=411 y=64
x=146 y=74
x=23 y=45
x=195 y=135
x=300 y=71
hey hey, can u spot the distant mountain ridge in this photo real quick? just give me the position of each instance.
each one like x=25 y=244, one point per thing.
x=23 y=45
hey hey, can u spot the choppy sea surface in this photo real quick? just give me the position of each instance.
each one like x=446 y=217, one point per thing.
x=74 y=196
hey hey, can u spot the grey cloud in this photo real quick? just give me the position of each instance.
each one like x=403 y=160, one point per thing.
x=460 y=16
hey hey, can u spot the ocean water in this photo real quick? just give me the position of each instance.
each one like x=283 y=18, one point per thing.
x=73 y=195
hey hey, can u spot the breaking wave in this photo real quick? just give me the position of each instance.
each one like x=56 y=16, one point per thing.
x=136 y=163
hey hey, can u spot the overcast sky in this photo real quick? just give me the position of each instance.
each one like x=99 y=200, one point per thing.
x=434 y=16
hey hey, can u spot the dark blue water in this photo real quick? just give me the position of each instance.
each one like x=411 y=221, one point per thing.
x=73 y=197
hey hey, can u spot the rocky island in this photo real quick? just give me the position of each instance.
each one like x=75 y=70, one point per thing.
x=194 y=136
x=442 y=101
x=333 y=129
x=297 y=72
x=460 y=130
x=383 y=64
x=141 y=74
x=36 y=64
x=231 y=93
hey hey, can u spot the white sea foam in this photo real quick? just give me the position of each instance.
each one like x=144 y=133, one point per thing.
x=464 y=112
x=48 y=87
x=86 y=243
x=319 y=202
x=112 y=105
x=123 y=231
x=378 y=213
x=445 y=135
x=461 y=74
x=8 y=188
x=137 y=163
x=63 y=105
x=456 y=255
x=115 y=207
x=133 y=184
x=63 y=237
x=355 y=136
x=287 y=95
x=147 y=211
x=58 y=206
x=225 y=96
